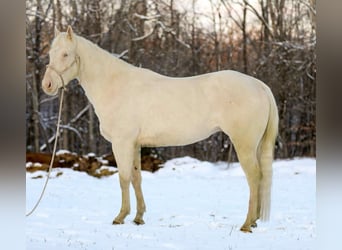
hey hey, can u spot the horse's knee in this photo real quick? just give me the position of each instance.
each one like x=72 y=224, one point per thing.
x=124 y=180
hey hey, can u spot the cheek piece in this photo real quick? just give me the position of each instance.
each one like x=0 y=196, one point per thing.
x=59 y=73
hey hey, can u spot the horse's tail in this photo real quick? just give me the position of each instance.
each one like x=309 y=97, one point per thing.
x=265 y=157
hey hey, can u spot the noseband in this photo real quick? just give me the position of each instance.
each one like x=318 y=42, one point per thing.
x=59 y=73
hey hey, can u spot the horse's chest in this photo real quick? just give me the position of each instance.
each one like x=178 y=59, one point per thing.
x=105 y=121
x=105 y=133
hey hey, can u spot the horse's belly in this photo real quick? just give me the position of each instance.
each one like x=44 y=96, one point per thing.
x=175 y=136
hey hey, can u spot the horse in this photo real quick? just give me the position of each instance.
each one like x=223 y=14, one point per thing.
x=137 y=107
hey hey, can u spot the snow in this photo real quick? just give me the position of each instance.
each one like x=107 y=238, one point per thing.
x=62 y=151
x=190 y=205
x=91 y=154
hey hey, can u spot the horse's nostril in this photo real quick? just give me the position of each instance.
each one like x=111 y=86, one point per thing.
x=49 y=85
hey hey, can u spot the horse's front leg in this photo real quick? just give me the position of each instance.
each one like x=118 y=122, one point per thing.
x=124 y=155
x=136 y=181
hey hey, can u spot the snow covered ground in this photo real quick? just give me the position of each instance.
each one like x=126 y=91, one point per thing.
x=190 y=205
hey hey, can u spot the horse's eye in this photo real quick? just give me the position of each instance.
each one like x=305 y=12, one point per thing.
x=65 y=54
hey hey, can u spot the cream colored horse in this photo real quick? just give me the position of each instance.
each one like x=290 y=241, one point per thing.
x=137 y=107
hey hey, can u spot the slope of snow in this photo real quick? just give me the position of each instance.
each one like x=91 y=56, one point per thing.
x=190 y=205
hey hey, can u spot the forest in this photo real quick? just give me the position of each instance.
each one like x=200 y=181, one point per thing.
x=272 y=40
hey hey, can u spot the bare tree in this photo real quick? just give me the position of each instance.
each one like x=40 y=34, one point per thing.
x=244 y=37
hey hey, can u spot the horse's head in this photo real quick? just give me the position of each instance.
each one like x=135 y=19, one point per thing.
x=64 y=62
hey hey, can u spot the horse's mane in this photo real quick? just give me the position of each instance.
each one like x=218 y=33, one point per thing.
x=94 y=47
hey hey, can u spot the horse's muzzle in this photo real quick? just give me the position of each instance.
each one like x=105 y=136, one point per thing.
x=49 y=87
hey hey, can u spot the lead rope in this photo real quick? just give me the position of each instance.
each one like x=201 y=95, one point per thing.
x=53 y=152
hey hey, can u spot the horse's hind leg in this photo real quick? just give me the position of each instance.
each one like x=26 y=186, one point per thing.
x=136 y=181
x=249 y=164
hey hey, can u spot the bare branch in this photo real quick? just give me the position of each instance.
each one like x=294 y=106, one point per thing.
x=144 y=36
x=311 y=7
x=148 y=18
x=122 y=54
x=78 y=116
x=253 y=10
x=48 y=99
x=68 y=127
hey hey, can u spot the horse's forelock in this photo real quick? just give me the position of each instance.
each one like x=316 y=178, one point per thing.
x=60 y=40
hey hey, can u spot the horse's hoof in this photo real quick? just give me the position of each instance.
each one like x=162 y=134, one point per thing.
x=246 y=229
x=139 y=221
x=118 y=222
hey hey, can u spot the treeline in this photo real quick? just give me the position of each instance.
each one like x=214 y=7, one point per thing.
x=273 y=40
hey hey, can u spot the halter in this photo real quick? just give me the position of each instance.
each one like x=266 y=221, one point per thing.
x=59 y=73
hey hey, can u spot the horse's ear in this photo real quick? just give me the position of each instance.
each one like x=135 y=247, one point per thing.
x=70 y=33
x=56 y=31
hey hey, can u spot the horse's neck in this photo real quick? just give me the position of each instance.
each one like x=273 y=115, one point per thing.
x=98 y=68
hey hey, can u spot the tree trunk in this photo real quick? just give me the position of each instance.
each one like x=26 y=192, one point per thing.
x=59 y=14
x=137 y=7
x=194 y=45
x=91 y=138
x=36 y=74
x=35 y=116
x=244 y=39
